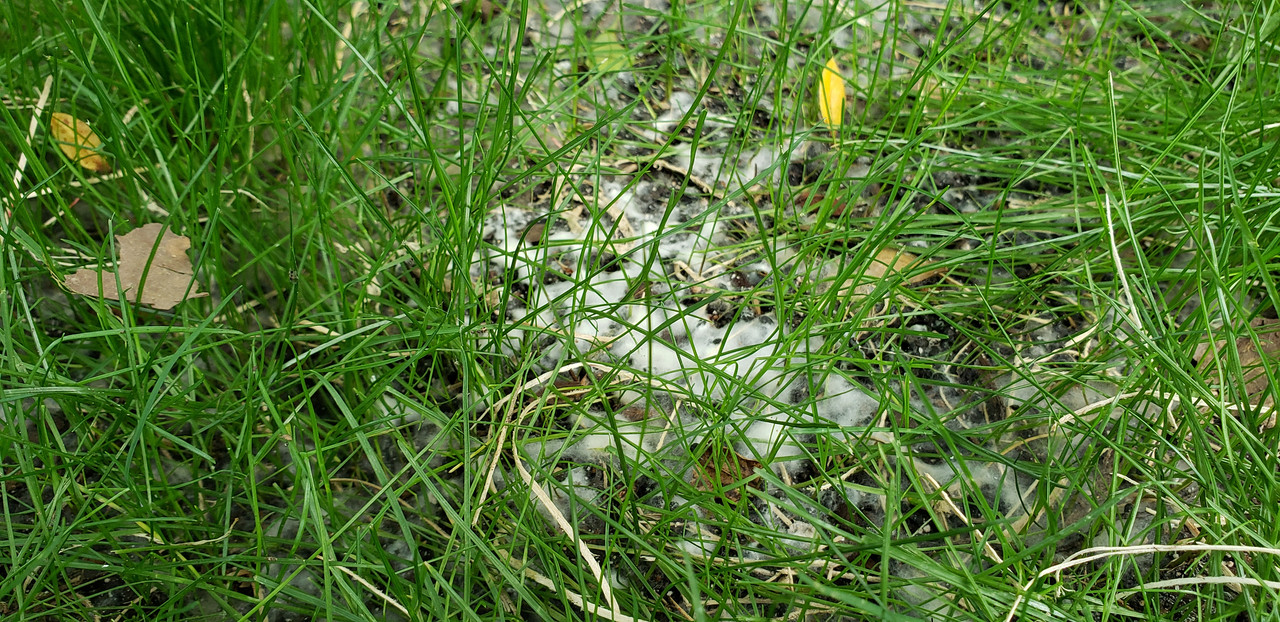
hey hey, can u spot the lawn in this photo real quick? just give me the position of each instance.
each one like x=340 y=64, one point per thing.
x=420 y=310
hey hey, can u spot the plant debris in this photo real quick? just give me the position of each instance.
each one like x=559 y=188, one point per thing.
x=831 y=94
x=160 y=280
x=725 y=472
x=78 y=142
x=1254 y=358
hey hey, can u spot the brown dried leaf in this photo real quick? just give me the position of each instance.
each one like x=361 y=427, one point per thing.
x=887 y=263
x=167 y=278
x=891 y=261
x=1254 y=358
x=533 y=233
x=724 y=471
x=78 y=141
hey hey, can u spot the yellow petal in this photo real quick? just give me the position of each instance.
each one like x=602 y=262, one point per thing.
x=76 y=139
x=831 y=94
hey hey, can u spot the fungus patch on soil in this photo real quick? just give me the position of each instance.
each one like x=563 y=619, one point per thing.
x=718 y=347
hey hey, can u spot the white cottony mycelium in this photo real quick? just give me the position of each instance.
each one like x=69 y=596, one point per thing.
x=643 y=285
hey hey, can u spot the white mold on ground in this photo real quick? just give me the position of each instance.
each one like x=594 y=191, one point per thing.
x=636 y=279
x=654 y=281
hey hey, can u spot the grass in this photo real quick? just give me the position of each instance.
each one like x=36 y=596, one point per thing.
x=314 y=439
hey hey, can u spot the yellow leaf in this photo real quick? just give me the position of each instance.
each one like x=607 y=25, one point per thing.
x=76 y=139
x=608 y=55
x=831 y=94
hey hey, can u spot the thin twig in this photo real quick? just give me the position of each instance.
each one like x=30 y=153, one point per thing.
x=1124 y=279
x=563 y=523
x=368 y=586
x=31 y=136
x=573 y=597
x=1101 y=552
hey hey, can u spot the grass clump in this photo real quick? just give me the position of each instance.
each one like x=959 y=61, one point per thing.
x=546 y=311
